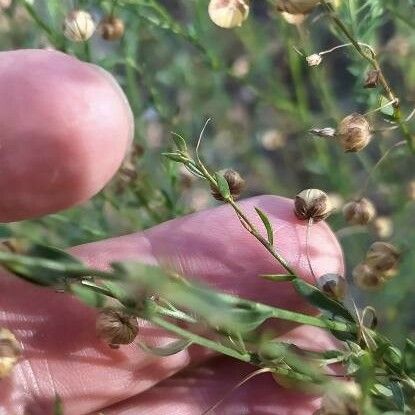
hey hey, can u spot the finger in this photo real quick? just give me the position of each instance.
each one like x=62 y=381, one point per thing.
x=62 y=353
x=195 y=390
x=65 y=128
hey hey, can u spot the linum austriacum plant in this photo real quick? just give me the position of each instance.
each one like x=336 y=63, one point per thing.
x=381 y=378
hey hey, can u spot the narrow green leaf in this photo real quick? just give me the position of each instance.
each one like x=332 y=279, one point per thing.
x=278 y=277
x=168 y=350
x=409 y=357
x=58 y=406
x=320 y=300
x=365 y=375
x=267 y=224
x=87 y=296
x=174 y=157
x=223 y=185
x=398 y=395
x=180 y=142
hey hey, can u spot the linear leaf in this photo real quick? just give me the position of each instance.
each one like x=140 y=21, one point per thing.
x=267 y=224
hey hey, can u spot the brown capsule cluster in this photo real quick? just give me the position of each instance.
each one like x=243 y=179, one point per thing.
x=333 y=285
x=354 y=133
x=228 y=13
x=380 y=265
x=111 y=28
x=359 y=212
x=235 y=182
x=10 y=352
x=116 y=327
x=312 y=204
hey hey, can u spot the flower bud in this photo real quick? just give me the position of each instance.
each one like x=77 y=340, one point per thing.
x=382 y=256
x=359 y=212
x=333 y=285
x=111 y=28
x=235 y=182
x=78 y=26
x=312 y=204
x=366 y=278
x=383 y=227
x=354 y=133
x=297 y=6
x=314 y=60
x=10 y=352
x=116 y=327
x=228 y=13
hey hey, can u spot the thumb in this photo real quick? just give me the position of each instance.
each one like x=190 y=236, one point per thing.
x=61 y=352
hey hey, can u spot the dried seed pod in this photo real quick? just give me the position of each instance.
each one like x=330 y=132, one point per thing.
x=382 y=256
x=116 y=327
x=78 y=26
x=383 y=227
x=333 y=285
x=354 y=133
x=228 y=13
x=297 y=6
x=111 y=28
x=10 y=352
x=359 y=212
x=295 y=19
x=372 y=79
x=312 y=204
x=235 y=182
x=366 y=278
x=314 y=59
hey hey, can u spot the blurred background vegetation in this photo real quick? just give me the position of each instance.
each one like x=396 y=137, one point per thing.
x=178 y=69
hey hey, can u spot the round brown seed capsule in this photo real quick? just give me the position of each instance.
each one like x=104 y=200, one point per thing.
x=111 y=28
x=359 y=212
x=78 y=26
x=228 y=13
x=382 y=256
x=10 y=352
x=116 y=327
x=235 y=182
x=312 y=204
x=333 y=285
x=366 y=278
x=354 y=133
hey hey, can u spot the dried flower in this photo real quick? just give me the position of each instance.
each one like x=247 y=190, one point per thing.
x=228 y=13
x=111 y=28
x=382 y=256
x=312 y=204
x=354 y=133
x=297 y=6
x=10 y=352
x=78 y=26
x=359 y=212
x=333 y=285
x=372 y=79
x=116 y=327
x=366 y=278
x=235 y=182
x=383 y=227
x=314 y=60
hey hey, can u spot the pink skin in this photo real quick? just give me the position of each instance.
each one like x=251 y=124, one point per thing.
x=65 y=128
x=64 y=119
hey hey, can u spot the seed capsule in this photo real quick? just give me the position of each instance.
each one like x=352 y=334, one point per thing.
x=10 y=352
x=228 y=13
x=116 y=327
x=366 y=278
x=78 y=26
x=354 y=133
x=235 y=182
x=372 y=79
x=333 y=285
x=382 y=256
x=111 y=28
x=312 y=204
x=314 y=60
x=383 y=227
x=359 y=212
x=297 y=6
